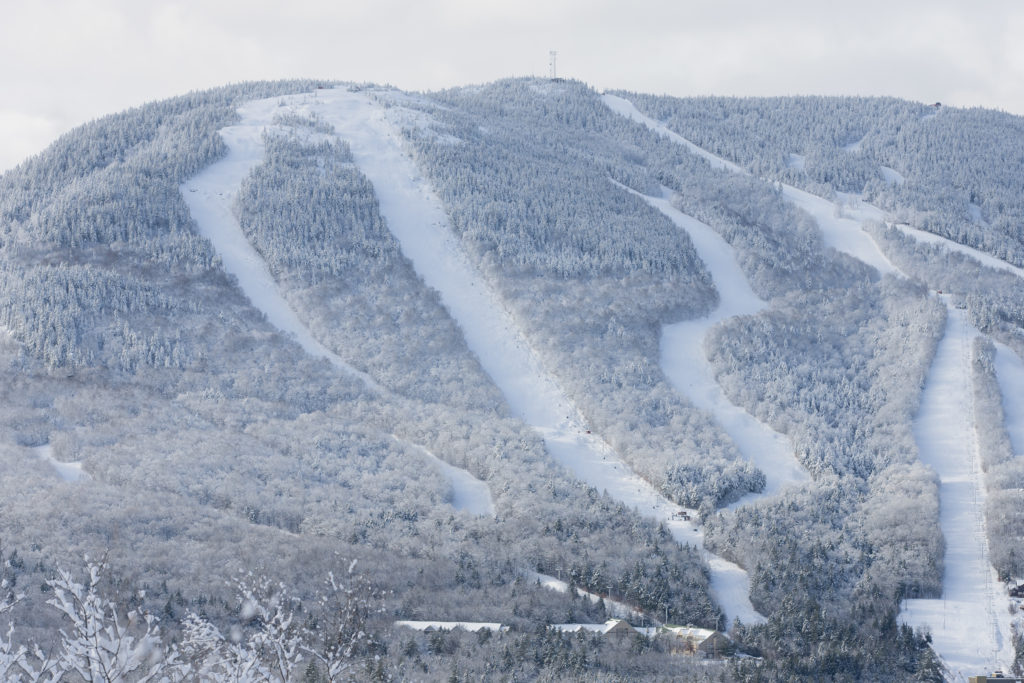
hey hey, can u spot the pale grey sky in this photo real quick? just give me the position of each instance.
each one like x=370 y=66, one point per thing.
x=69 y=61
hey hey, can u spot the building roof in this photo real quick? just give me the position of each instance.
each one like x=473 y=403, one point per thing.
x=610 y=626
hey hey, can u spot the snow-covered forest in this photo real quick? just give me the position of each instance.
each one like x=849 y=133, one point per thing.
x=224 y=493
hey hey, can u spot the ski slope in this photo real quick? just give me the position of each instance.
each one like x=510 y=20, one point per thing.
x=970 y=624
x=841 y=232
x=685 y=362
x=416 y=217
x=210 y=196
x=619 y=610
x=67 y=471
x=468 y=493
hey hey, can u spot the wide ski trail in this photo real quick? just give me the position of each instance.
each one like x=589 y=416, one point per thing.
x=417 y=218
x=970 y=624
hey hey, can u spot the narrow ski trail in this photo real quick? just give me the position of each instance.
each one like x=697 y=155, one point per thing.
x=685 y=362
x=970 y=624
x=416 y=217
x=210 y=196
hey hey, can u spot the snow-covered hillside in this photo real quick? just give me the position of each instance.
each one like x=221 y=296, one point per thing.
x=970 y=626
x=303 y=361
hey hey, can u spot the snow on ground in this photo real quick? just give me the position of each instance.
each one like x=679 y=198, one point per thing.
x=891 y=175
x=854 y=147
x=627 y=109
x=416 y=217
x=471 y=626
x=619 y=610
x=981 y=257
x=842 y=233
x=970 y=624
x=976 y=214
x=797 y=162
x=468 y=492
x=1010 y=373
x=210 y=196
x=841 y=228
x=68 y=471
x=685 y=362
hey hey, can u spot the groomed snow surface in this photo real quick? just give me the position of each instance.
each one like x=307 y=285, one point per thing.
x=685 y=362
x=415 y=216
x=619 y=610
x=468 y=493
x=67 y=471
x=970 y=624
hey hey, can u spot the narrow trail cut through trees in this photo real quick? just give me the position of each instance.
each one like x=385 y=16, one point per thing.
x=416 y=216
x=686 y=365
x=970 y=625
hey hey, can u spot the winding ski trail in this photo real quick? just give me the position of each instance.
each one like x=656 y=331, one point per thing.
x=690 y=373
x=416 y=217
x=970 y=625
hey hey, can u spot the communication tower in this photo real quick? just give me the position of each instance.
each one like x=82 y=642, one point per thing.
x=553 y=54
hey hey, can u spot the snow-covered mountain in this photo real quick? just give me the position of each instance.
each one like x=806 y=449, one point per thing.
x=744 y=364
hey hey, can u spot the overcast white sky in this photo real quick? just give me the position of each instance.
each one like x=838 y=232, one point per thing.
x=68 y=61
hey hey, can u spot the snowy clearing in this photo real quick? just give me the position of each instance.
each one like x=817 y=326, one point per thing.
x=468 y=493
x=685 y=362
x=210 y=196
x=970 y=624
x=891 y=175
x=619 y=610
x=68 y=471
x=417 y=218
x=1010 y=373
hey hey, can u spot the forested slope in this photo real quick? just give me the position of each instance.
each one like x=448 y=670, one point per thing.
x=215 y=446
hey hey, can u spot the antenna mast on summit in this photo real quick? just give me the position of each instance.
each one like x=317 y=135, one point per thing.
x=553 y=54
